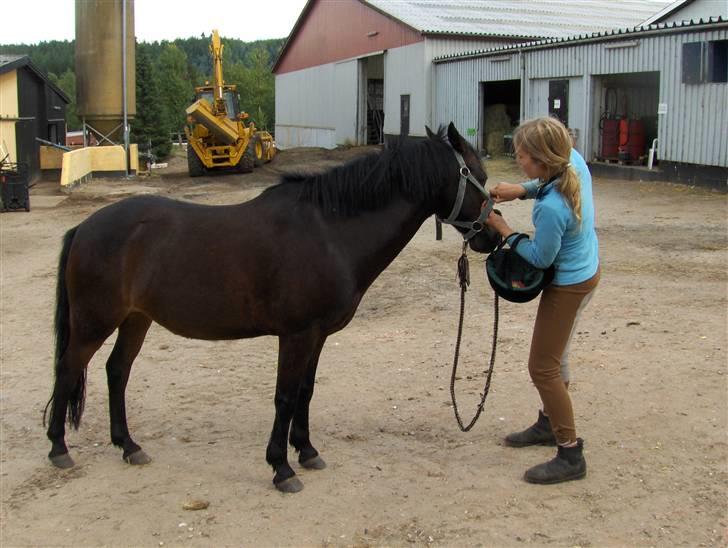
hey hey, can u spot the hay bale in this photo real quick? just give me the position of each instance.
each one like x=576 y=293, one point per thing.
x=494 y=143
x=497 y=124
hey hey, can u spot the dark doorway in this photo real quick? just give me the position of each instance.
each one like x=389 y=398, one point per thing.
x=404 y=114
x=500 y=115
x=375 y=111
x=559 y=100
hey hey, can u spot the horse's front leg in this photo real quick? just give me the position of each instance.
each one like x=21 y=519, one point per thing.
x=300 y=439
x=294 y=356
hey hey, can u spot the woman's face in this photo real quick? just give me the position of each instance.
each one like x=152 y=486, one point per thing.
x=532 y=168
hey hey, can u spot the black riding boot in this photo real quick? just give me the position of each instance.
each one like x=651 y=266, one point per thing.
x=569 y=464
x=539 y=433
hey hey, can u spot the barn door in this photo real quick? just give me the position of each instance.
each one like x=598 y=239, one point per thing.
x=404 y=114
x=559 y=100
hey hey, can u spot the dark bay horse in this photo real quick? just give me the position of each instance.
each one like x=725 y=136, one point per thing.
x=293 y=262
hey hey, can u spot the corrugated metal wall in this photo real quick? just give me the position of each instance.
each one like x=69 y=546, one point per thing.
x=346 y=83
x=537 y=104
x=435 y=47
x=404 y=74
x=457 y=94
x=304 y=113
x=691 y=131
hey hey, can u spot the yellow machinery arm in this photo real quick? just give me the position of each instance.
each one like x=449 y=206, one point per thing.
x=218 y=138
x=216 y=52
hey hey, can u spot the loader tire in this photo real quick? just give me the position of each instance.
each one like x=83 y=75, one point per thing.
x=247 y=162
x=257 y=148
x=195 y=167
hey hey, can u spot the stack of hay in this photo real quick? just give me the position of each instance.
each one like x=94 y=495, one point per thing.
x=497 y=124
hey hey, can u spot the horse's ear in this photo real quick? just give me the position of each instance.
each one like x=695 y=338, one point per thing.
x=456 y=141
x=430 y=134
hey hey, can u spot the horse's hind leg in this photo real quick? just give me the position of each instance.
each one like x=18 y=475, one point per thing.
x=69 y=391
x=294 y=356
x=128 y=343
x=300 y=438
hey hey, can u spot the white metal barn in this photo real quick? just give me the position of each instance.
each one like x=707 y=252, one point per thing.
x=356 y=71
x=666 y=85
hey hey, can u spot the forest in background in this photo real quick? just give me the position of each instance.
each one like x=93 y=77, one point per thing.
x=167 y=73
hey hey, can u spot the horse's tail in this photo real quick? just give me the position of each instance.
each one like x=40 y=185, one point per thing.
x=62 y=329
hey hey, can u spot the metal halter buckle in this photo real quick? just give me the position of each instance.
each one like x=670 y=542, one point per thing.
x=474 y=227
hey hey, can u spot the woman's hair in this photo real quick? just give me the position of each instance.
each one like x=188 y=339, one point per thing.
x=548 y=141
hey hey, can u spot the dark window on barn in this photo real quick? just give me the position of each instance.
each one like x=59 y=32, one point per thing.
x=404 y=114
x=692 y=63
x=718 y=61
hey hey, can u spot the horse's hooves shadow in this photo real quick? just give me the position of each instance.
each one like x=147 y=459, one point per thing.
x=290 y=485
x=62 y=461
x=315 y=463
x=138 y=457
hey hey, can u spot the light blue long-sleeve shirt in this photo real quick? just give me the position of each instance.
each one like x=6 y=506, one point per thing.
x=560 y=239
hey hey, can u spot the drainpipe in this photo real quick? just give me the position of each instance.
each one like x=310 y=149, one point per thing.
x=123 y=84
x=522 y=60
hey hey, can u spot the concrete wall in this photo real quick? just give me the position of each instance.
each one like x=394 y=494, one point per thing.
x=79 y=165
x=51 y=157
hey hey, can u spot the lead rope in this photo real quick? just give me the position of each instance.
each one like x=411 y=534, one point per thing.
x=464 y=279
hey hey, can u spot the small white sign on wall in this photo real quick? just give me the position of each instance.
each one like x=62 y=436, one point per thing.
x=662 y=108
x=557 y=103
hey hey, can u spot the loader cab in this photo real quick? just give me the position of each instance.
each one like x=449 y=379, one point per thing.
x=232 y=106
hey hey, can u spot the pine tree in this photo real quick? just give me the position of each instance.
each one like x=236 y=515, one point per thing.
x=67 y=83
x=175 y=86
x=148 y=128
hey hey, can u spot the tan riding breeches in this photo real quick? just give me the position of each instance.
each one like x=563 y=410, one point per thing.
x=557 y=314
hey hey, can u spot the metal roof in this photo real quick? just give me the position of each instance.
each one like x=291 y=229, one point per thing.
x=668 y=10
x=14 y=62
x=519 y=18
x=608 y=35
x=8 y=62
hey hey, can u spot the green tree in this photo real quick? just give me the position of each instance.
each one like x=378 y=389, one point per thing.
x=148 y=128
x=67 y=83
x=259 y=95
x=175 y=86
x=256 y=86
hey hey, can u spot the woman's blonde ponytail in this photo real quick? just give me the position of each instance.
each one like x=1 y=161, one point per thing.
x=547 y=140
x=570 y=188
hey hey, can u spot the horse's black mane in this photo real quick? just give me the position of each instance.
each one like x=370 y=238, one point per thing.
x=413 y=169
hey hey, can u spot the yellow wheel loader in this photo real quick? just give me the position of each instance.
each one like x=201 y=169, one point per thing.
x=217 y=134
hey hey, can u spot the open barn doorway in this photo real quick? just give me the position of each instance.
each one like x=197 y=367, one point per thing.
x=625 y=107
x=371 y=100
x=501 y=114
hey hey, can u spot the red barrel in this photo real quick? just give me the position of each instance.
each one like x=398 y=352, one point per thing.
x=631 y=139
x=610 y=138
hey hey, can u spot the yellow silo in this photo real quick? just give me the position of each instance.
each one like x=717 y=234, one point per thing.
x=100 y=64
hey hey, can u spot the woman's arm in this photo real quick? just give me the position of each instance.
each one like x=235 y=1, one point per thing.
x=542 y=250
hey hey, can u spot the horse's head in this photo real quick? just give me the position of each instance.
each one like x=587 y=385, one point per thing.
x=460 y=202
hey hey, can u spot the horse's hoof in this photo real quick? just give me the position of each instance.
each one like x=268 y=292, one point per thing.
x=138 y=457
x=314 y=463
x=290 y=485
x=63 y=460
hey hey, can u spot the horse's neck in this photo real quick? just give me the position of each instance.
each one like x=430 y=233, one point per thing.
x=374 y=239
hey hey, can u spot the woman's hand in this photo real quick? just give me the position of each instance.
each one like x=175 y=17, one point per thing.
x=505 y=192
x=498 y=223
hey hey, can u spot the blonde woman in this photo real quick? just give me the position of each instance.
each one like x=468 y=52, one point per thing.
x=563 y=217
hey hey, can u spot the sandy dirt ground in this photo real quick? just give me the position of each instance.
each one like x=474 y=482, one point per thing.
x=649 y=388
